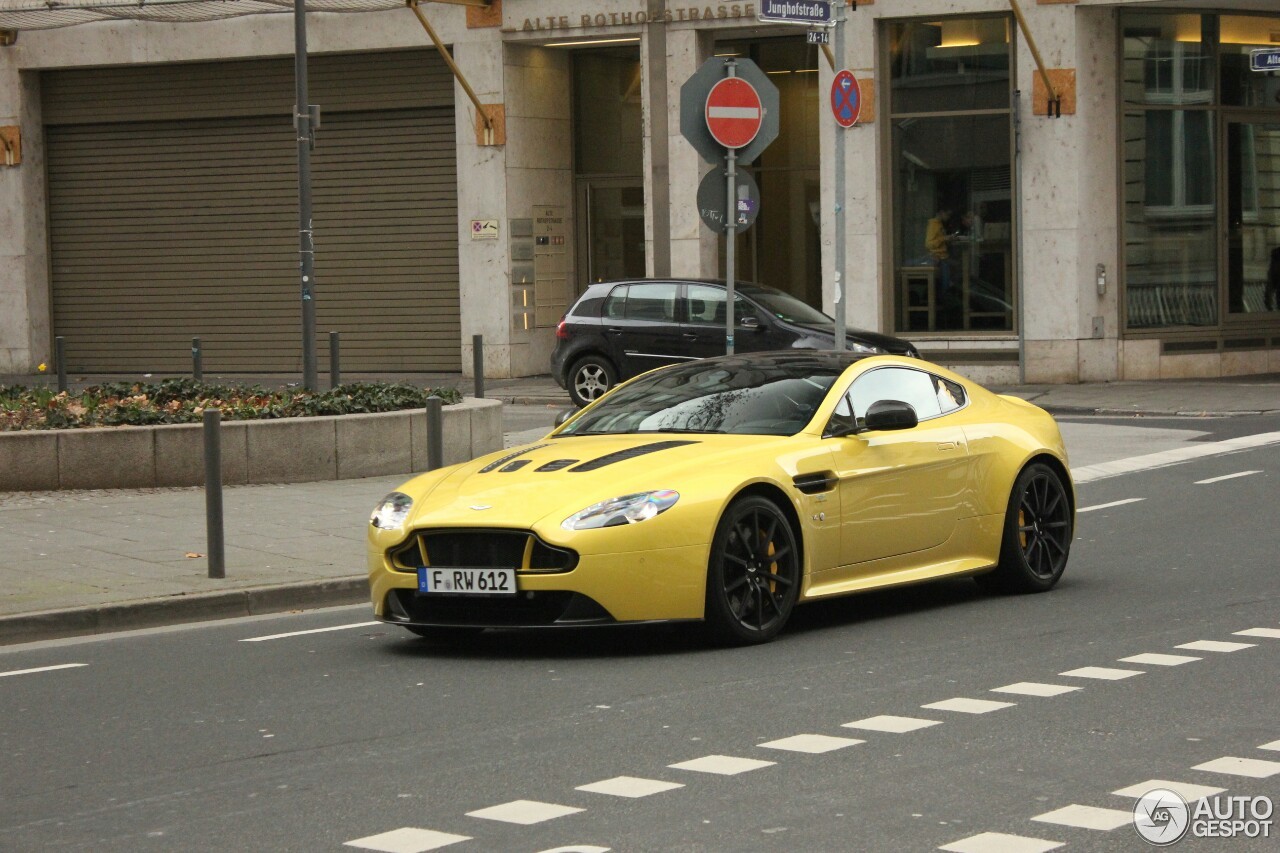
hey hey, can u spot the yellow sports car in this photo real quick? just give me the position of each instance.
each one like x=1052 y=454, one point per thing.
x=729 y=490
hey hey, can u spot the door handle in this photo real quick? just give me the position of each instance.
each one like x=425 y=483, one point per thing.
x=614 y=330
x=690 y=336
x=947 y=445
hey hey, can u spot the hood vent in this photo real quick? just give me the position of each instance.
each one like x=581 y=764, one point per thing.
x=629 y=453
x=515 y=466
x=498 y=463
x=556 y=465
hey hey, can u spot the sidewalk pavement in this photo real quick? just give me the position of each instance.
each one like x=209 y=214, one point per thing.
x=75 y=563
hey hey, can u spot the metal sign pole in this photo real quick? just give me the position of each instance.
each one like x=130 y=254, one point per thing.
x=837 y=289
x=730 y=228
x=306 y=244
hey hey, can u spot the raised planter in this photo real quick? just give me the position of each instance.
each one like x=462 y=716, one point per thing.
x=289 y=450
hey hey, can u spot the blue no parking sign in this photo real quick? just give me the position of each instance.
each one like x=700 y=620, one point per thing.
x=846 y=98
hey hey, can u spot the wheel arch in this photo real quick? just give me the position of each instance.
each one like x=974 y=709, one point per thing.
x=776 y=495
x=1060 y=469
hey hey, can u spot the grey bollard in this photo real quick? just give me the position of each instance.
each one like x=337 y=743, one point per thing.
x=477 y=363
x=60 y=361
x=213 y=493
x=197 y=360
x=435 y=433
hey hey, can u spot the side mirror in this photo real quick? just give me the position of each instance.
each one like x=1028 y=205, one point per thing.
x=890 y=414
x=564 y=415
x=752 y=323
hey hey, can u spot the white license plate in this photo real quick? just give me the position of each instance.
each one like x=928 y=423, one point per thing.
x=432 y=580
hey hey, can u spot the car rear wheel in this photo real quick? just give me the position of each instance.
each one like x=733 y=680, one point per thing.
x=589 y=379
x=753 y=578
x=1037 y=534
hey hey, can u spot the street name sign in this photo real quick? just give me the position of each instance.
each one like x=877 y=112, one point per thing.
x=1265 y=59
x=810 y=13
x=734 y=112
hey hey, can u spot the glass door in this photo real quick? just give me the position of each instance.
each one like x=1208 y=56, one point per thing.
x=611 y=217
x=1253 y=216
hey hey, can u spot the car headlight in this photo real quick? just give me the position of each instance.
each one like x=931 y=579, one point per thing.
x=869 y=350
x=392 y=512
x=628 y=509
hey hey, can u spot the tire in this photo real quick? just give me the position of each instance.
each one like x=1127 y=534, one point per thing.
x=443 y=633
x=590 y=377
x=749 y=600
x=1037 y=534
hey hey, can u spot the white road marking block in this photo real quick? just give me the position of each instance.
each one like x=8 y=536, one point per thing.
x=524 y=812
x=891 y=724
x=1159 y=660
x=1102 y=672
x=1034 y=688
x=813 y=744
x=629 y=786
x=1089 y=473
x=407 y=839
x=999 y=842
x=1274 y=745
x=1215 y=646
x=1109 y=505
x=1259 y=632
x=968 y=706
x=312 y=631
x=722 y=765
x=41 y=669
x=1088 y=817
x=1254 y=768
x=1226 y=477
x=1186 y=790
x=578 y=848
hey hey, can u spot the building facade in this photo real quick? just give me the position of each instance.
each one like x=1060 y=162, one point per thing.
x=1121 y=221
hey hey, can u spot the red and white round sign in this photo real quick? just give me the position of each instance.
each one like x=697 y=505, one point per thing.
x=734 y=112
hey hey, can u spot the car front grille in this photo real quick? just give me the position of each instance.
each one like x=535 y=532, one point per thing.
x=482 y=549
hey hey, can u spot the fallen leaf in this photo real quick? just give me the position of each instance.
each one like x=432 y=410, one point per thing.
x=191 y=555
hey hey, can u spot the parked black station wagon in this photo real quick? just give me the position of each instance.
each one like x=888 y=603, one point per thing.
x=620 y=329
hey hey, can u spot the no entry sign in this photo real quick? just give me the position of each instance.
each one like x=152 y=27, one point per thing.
x=734 y=112
x=846 y=98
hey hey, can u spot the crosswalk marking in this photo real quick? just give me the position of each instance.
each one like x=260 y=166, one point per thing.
x=1087 y=817
x=1260 y=632
x=524 y=812
x=722 y=765
x=1034 y=688
x=1102 y=672
x=891 y=724
x=968 y=706
x=812 y=744
x=407 y=839
x=1000 y=842
x=629 y=786
x=1254 y=768
x=1186 y=790
x=1215 y=646
x=1159 y=660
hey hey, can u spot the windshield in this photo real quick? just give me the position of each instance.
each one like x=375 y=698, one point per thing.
x=740 y=396
x=786 y=307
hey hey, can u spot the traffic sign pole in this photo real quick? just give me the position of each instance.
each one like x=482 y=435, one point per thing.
x=730 y=228
x=837 y=297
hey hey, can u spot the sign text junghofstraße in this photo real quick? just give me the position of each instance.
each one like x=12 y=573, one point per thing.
x=807 y=12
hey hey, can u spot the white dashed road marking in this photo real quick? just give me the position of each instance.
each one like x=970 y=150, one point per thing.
x=41 y=669
x=1159 y=660
x=1225 y=477
x=813 y=744
x=1034 y=688
x=629 y=786
x=1274 y=745
x=1102 y=672
x=1109 y=505
x=999 y=842
x=578 y=848
x=1254 y=768
x=1186 y=790
x=312 y=631
x=407 y=840
x=722 y=765
x=969 y=706
x=891 y=724
x=1087 y=817
x=1215 y=646
x=524 y=812
x=1260 y=632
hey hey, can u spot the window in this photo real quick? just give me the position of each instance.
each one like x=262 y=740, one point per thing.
x=706 y=306
x=615 y=307
x=913 y=387
x=652 y=302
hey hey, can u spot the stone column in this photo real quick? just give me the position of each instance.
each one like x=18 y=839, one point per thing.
x=25 y=339
x=693 y=245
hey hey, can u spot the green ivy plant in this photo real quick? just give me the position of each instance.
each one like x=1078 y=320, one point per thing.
x=181 y=401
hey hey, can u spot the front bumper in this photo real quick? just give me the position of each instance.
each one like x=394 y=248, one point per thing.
x=639 y=586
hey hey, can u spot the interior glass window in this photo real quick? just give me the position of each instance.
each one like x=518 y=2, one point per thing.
x=706 y=306
x=913 y=387
x=653 y=302
x=950 y=394
x=615 y=306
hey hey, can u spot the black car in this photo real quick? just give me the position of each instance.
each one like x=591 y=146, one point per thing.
x=620 y=329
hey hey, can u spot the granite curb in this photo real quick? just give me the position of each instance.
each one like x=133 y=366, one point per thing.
x=169 y=610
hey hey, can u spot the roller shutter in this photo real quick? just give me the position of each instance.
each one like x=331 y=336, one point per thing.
x=173 y=214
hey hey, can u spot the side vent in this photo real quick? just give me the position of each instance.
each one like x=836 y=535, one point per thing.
x=813 y=484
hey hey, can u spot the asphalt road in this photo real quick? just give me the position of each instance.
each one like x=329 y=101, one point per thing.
x=225 y=736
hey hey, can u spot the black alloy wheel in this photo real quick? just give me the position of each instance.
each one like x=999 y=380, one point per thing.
x=1037 y=534
x=590 y=378
x=754 y=575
